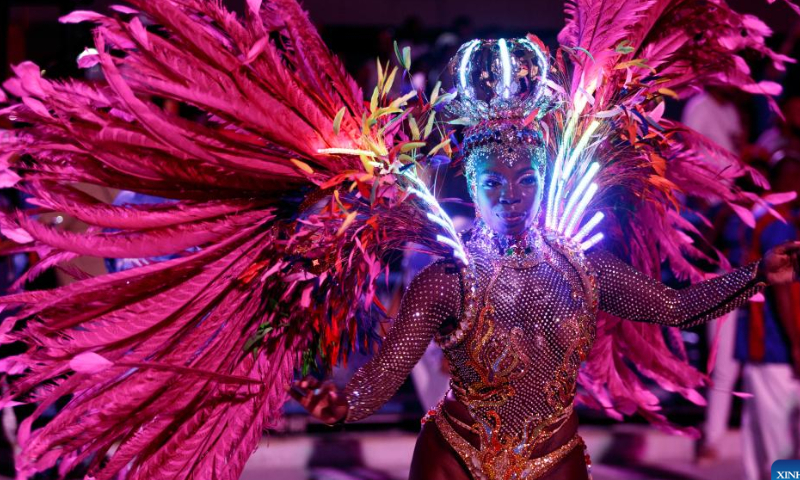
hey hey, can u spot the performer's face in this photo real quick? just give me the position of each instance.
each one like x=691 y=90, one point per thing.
x=507 y=196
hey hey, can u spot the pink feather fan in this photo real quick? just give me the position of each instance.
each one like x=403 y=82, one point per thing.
x=627 y=57
x=283 y=192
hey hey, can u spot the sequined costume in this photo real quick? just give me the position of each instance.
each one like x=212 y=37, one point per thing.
x=515 y=354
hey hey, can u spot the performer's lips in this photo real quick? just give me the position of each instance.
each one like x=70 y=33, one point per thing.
x=511 y=217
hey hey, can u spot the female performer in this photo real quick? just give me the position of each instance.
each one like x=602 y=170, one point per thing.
x=515 y=356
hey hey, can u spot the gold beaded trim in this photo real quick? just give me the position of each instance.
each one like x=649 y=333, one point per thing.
x=512 y=466
x=469 y=309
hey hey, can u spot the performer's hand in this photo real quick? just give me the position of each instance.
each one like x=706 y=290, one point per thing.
x=782 y=264
x=322 y=400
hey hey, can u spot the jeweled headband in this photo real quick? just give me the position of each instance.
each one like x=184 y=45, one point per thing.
x=504 y=139
x=500 y=84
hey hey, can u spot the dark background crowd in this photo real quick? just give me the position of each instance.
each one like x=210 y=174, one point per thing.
x=759 y=347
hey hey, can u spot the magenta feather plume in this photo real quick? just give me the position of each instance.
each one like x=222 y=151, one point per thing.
x=626 y=57
x=174 y=368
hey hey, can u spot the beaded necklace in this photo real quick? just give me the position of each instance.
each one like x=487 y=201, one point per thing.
x=521 y=251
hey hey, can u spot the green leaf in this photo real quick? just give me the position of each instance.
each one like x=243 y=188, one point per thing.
x=441 y=145
x=429 y=126
x=264 y=329
x=337 y=122
x=392 y=122
x=581 y=49
x=252 y=341
x=373 y=103
x=256 y=351
x=309 y=359
x=397 y=53
x=447 y=97
x=381 y=112
x=624 y=47
x=412 y=123
x=460 y=121
x=411 y=146
x=636 y=62
x=407 y=58
x=399 y=102
x=387 y=87
x=435 y=94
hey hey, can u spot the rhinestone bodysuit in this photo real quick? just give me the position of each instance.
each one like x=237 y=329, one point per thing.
x=515 y=327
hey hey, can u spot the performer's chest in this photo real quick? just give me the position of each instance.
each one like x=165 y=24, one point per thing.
x=543 y=305
x=530 y=320
x=536 y=311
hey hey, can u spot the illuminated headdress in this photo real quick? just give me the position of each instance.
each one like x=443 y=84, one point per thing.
x=503 y=93
x=501 y=88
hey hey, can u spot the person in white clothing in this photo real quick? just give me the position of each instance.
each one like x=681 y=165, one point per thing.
x=715 y=115
x=768 y=339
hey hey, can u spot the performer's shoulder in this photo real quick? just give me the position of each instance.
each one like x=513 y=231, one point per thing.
x=444 y=268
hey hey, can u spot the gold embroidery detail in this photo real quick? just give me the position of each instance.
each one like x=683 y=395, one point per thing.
x=497 y=358
x=499 y=460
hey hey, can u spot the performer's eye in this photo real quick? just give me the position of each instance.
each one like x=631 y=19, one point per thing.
x=490 y=183
x=528 y=180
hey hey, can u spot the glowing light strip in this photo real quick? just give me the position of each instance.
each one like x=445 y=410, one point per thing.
x=579 y=148
x=555 y=180
x=458 y=252
x=551 y=193
x=505 y=60
x=426 y=196
x=578 y=213
x=449 y=228
x=576 y=195
x=581 y=99
x=441 y=218
x=543 y=64
x=553 y=196
x=462 y=69
x=346 y=151
x=592 y=242
x=589 y=226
